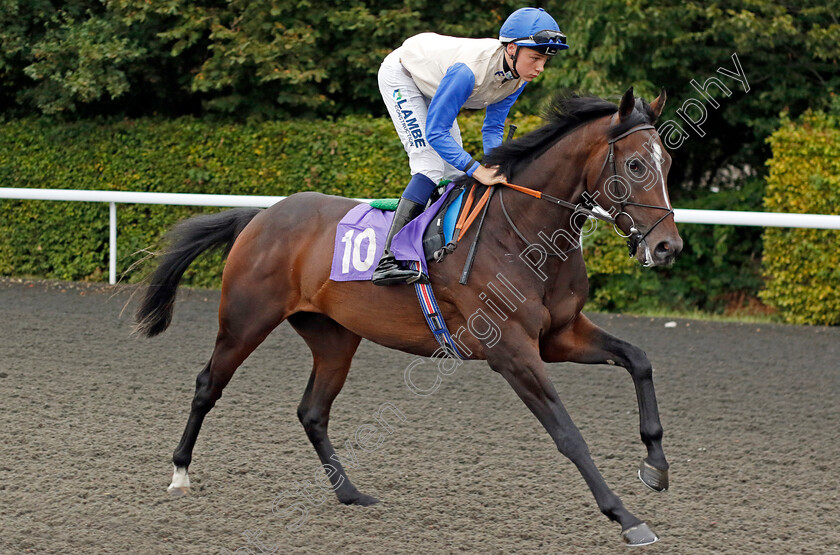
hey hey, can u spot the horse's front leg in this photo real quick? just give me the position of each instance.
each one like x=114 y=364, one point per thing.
x=516 y=357
x=586 y=343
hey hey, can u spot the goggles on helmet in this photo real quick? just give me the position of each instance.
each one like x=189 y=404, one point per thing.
x=546 y=36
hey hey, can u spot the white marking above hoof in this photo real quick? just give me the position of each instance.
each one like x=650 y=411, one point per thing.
x=180 y=485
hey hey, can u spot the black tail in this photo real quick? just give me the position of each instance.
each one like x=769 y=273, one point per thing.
x=189 y=239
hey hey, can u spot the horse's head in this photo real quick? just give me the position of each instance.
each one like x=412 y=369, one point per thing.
x=627 y=177
x=599 y=157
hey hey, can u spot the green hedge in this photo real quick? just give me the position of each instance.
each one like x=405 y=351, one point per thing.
x=352 y=157
x=356 y=157
x=802 y=266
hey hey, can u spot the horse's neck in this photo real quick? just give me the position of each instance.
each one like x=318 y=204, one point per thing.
x=559 y=172
x=545 y=227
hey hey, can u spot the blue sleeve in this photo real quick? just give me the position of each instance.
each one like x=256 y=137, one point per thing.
x=454 y=90
x=494 y=121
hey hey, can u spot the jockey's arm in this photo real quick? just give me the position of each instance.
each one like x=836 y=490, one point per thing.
x=494 y=121
x=454 y=90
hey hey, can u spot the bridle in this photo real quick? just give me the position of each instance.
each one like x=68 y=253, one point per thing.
x=590 y=207
x=635 y=238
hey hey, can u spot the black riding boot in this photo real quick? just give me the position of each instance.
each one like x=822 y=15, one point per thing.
x=389 y=271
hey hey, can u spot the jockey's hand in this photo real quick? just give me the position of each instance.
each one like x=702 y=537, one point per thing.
x=488 y=175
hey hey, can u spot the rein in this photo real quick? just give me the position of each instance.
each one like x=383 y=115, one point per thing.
x=634 y=239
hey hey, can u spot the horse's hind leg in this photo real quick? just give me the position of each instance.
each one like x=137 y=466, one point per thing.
x=244 y=322
x=586 y=343
x=333 y=347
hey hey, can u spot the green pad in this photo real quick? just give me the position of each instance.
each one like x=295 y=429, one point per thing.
x=385 y=203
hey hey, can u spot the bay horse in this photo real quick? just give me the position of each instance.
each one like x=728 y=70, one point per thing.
x=278 y=268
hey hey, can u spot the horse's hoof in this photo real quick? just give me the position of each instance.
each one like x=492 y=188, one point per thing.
x=639 y=535
x=178 y=491
x=360 y=499
x=653 y=477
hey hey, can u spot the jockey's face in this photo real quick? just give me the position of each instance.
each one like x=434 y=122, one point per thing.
x=529 y=63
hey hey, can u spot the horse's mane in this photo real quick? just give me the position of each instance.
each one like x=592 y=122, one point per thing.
x=566 y=113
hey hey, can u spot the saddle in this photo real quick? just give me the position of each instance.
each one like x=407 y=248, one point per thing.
x=360 y=239
x=440 y=229
x=360 y=235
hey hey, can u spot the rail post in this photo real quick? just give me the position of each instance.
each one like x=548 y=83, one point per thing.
x=112 y=249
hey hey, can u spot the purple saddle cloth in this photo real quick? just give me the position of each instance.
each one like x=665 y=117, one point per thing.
x=360 y=239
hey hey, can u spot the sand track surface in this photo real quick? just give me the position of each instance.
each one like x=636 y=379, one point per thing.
x=90 y=417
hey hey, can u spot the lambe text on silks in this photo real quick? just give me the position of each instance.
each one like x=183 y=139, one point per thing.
x=410 y=126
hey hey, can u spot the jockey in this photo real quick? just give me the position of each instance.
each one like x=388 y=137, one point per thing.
x=429 y=79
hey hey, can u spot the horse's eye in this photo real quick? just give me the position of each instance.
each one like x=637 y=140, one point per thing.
x=634 y=166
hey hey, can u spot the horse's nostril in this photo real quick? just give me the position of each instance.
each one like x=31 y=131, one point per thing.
x=664 y=251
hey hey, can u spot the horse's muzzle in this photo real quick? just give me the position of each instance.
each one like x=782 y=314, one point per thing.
x=666 y=251
x=663 y=253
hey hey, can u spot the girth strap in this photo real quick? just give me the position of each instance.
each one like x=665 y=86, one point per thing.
x=434 y=318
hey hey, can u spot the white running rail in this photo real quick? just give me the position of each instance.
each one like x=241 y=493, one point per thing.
x=685 y=216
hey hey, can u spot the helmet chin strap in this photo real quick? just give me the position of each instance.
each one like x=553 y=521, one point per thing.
x=513 y=57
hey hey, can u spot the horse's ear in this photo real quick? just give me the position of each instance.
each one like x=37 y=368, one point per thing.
x=628 y=102
x=658 y=104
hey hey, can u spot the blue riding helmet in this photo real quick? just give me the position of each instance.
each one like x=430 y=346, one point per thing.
x=534 y=28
